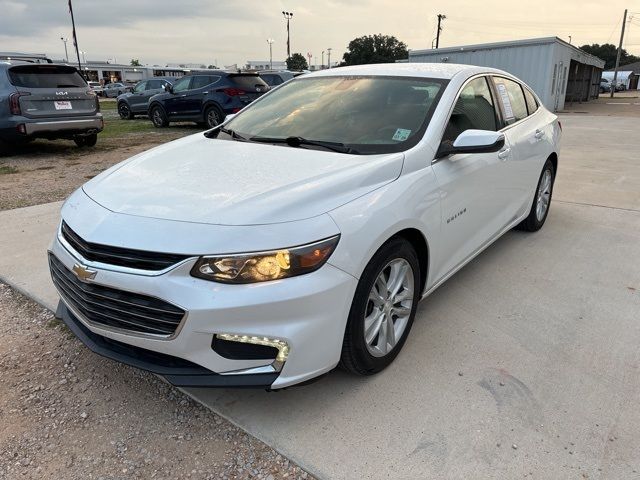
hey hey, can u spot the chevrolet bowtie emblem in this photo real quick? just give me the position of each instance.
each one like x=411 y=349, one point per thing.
x=83 y=273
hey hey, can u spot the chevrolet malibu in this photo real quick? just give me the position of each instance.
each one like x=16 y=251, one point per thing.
x=301 y=234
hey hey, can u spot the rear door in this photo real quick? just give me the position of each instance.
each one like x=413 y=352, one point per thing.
x=52 y=91
x=525 y=134
x=195 y=95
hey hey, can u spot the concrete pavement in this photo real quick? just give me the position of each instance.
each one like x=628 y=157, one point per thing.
x=526 y=361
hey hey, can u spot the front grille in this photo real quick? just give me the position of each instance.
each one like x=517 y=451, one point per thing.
x=123 y=257
x=115 y=308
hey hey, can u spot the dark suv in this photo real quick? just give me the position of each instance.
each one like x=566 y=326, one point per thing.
x=137 y=102
x=44 y=100
x=205 y=98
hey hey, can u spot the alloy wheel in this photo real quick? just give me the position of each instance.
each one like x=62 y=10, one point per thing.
x=389 y=307
x=123 y=110
x=544 y=195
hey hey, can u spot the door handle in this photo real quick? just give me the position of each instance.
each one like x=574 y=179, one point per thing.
x=539 y=134
x=204 y=93
x=504 y=154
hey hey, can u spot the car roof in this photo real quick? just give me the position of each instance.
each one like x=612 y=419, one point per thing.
x=444 y=71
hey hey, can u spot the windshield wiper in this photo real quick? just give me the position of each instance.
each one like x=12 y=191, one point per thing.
x=232 y=133
x=297 y=142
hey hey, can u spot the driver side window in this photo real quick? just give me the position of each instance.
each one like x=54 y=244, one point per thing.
x=474 y=109
x=182 y=84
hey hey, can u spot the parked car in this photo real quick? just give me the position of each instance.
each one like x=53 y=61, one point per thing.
x=605 y=85
x=302 y=233
x=45 y=100
x=136 y=102
x=205 y=99
x=275 y=78
x=96 y=87
x=112 y=90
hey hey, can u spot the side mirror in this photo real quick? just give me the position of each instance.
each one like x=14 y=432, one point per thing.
x=473 y=141
x=168 y=88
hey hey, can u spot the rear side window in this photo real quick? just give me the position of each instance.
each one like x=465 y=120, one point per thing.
x=251 y=83
x=203 y=80
x=512 y=98
x=155 y=84
x=532 y=105
x=45 y=76
x=474 y=109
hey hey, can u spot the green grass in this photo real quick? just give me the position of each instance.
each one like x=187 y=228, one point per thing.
x=7 y=170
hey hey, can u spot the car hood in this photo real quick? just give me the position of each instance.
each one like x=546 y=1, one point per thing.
x=197 y=179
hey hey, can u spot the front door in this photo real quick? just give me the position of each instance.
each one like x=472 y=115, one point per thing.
x=471 y=185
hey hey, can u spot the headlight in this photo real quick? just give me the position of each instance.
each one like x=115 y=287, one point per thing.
x=265 y=266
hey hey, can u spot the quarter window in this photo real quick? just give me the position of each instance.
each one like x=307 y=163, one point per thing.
x=474 y=109
x=513 y=102
x=532 y=105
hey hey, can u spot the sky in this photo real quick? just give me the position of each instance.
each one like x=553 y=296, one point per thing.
x=231 y=32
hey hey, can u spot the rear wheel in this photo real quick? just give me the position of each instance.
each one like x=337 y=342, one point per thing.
x=158 y=117
x=383 y=309
x=541 y=202
x=86 y=140
x=213 y=116
x=124 y=111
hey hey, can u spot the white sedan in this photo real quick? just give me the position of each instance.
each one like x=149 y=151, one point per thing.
x=302 y=233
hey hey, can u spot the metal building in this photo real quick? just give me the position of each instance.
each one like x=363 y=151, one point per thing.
x=557 y=71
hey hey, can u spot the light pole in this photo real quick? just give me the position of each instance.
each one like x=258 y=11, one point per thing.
x=440 y=18
x=66 y=54
x=270 y=42
x=322 y=66
x=83 y=60
x=329 y=56
x=288 y=16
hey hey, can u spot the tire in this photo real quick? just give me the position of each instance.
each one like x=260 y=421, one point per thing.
x=86 y=140
x=125 y=111
x=544 y=190
x=213 y=116
x=367 y=356
x=158 y=117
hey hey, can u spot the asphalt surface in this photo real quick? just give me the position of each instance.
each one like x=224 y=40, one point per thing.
x=525 y=363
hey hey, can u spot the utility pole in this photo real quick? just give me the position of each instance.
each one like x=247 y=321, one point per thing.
x=66 y=53
x=440 y=18
x=288 y=16
x=322 y=66
x=615 y=72
x=329 y=56
x=270 y=42
x=75 y=37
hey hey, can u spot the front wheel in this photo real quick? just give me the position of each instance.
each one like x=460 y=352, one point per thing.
x=383 y=309
x=158 y=117
x=124 y=111
x=541 y=202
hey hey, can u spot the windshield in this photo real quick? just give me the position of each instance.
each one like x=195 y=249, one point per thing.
x=369 y=114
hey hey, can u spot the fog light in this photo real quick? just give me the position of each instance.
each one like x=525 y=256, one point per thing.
x=281 y=345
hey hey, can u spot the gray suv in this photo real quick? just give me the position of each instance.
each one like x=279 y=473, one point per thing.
x=44 y=100
x=137 y=102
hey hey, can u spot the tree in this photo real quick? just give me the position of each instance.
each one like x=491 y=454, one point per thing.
x=135 y=62
x=608 y=53
x=375 y=49
x=297 y=62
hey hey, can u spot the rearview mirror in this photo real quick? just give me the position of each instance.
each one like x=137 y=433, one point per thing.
x=473 y=141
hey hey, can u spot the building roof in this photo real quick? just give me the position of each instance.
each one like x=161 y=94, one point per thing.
x=633 y=67
x=513 y=43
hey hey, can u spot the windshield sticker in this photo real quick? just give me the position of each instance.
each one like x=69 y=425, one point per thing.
x=506 y=101
x=401 y=135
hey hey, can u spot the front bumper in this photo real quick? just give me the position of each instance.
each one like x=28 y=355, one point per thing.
x=308 y=312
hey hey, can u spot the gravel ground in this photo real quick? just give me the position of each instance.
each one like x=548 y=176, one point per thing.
x=66 y=413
